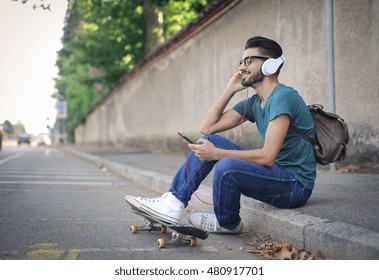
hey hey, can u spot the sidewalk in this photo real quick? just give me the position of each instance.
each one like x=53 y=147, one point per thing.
x=341 y=218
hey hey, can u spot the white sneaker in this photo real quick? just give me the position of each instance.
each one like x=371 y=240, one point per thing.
x=209 y=223
x=166 y=207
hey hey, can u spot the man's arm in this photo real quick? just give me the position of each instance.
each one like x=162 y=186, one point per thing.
x=275 y=135
x=216 y=120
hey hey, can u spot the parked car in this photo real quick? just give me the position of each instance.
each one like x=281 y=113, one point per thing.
x=23 y=138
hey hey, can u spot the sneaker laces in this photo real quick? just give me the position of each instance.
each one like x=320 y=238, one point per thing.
x=150 y=200
x=157 y=199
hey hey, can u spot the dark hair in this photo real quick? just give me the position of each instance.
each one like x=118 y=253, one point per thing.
x=266 y=46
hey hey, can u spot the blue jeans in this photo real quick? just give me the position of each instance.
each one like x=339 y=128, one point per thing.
x=232 y=177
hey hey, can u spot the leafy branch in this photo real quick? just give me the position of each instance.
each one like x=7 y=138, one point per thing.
x=43 y=6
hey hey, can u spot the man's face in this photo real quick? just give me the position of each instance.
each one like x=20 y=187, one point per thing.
x=251 y=73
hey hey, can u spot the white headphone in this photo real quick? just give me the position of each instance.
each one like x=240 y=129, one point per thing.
x=271 y=65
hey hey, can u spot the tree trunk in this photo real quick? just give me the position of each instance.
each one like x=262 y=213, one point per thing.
x=153 y=26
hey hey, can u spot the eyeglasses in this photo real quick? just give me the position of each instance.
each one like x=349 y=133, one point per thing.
x=247 y=60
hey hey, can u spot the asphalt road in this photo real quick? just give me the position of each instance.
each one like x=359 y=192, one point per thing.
x=53 y=206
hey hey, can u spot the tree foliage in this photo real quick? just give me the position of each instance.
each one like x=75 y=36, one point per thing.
x=41 y=5
x=8 y=127
x=13 y=130
x=104 y=40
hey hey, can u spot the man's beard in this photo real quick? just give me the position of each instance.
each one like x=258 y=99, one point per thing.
x=258 y=77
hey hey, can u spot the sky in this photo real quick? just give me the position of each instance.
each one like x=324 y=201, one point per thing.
x=29 y=41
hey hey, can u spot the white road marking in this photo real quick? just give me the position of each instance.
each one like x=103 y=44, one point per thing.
x=52 y=176
x=57 y=183
x=4 y=160
x=51 y=171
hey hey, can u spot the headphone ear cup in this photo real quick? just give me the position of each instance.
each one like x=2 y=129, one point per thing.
x=270 y=66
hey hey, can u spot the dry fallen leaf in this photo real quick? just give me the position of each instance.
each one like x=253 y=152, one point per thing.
x=264 y=247
x=348 y=169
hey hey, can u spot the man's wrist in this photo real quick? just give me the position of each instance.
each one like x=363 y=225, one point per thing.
x=218 y=154
x=230 y=92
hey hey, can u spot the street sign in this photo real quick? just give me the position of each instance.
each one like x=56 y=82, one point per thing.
x=61 y=108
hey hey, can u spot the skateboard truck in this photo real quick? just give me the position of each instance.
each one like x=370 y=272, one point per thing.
x=149 y=226
x=180 y=234
x=177 y=239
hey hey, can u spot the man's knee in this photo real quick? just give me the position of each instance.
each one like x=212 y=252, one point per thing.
x=225 y=165
x=212 y=137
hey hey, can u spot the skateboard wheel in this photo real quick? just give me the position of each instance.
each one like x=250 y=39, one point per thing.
x=133 y=229
x=161 y=243
x=163 y=229
x=193 y=241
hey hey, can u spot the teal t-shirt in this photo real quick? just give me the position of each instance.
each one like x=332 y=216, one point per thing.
x=296 y=154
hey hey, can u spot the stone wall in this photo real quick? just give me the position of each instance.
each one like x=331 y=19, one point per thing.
x=173 y=91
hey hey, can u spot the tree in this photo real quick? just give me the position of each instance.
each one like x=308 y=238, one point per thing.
x=8 y=127
x=153 y=26
x=19 y=128
x=42 y=5
x=104 y=40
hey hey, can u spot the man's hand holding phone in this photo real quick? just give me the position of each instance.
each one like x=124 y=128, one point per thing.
x=204 y=150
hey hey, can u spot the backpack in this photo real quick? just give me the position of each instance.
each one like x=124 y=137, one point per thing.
x=332 y=135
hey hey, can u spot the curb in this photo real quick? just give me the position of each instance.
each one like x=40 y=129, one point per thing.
x=335 y=240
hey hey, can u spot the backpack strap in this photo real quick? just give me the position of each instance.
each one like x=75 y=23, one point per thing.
x=304 y=136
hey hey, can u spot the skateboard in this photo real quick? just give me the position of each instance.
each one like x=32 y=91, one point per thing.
x=180 y=235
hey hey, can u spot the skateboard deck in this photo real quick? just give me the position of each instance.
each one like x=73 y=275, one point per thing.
x=180 y=235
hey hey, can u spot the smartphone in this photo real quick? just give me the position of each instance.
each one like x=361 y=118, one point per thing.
x=186 y=138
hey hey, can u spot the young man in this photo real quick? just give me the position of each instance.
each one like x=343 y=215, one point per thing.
x=281 y=173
